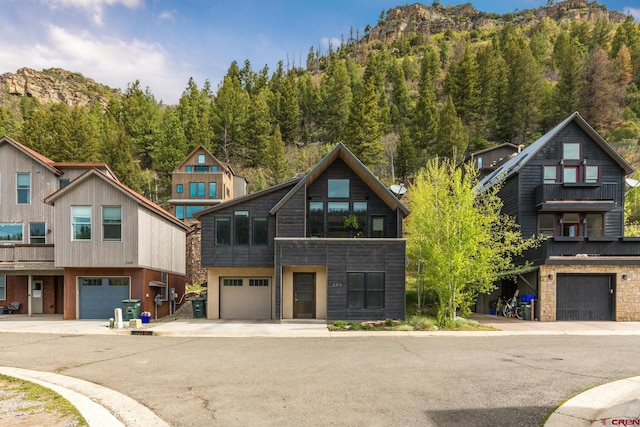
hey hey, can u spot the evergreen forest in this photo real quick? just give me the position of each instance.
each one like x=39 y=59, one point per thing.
x=395 y=103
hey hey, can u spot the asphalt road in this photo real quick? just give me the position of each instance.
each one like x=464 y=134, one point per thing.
x=354 y=381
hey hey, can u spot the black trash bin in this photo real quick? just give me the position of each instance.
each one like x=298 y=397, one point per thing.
x=199 y=307
x=131 y=309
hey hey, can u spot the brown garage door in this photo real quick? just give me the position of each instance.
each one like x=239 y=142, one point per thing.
x=245 y=298
x=585 y=297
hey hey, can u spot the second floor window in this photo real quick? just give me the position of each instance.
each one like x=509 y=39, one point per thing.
x=37 y=233
x=241 y=228
x=81 y=223
x=591 y=173
x=223 y=231
x=213 y=189
x=338 y=188
x=260 y=231
x=201 y=159
x=547 y=225
x=11 y=232
x=571 y=174
x=571 y=151
x=24 y=188
x=550 y=174
x=571 y=225
x=316 y=219
x=179 y=188
x=112 y=223
x=196 y=189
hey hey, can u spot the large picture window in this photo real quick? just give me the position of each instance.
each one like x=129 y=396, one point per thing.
x=112 y=223
x=81 y=223
x=241 y=228
x=336 y=214
x=37 y=233
x=24 y=188
x=223 y=231
x=11 y=232
x=365 y=290
x=338 y=188
x=316 y=219
x=360 y=211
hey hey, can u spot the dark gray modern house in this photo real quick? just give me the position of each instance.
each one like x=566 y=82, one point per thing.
x=327 y=246
x=569 y=185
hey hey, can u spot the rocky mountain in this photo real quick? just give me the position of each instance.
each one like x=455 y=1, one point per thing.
x=55 y=85
x=419 y=19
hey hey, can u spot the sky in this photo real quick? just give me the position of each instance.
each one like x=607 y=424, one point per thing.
x=163 y=43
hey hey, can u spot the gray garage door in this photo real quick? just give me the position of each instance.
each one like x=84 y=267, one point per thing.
x=99 y=296
x=585 y=297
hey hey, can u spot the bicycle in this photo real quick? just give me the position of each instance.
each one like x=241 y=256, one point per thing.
x=512 y=308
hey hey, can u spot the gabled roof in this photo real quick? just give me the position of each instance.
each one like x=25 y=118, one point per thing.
x=202 y=147
x=44 y=161
x=341 y=152
x=513 y=165
x=495 y=147
x=245 y=198
x=118 y=186
x=103 y=167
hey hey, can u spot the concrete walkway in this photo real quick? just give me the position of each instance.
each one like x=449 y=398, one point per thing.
x=615 y=403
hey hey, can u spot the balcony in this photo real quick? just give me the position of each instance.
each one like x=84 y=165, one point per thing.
x=601 y=195
x=22 y=256
x=586 y=248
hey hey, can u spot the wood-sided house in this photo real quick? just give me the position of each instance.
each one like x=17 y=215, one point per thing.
x=286 y=252
x=75 y=241
x=569 y=185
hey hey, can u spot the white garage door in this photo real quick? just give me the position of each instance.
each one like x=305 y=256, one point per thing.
x=245 y=298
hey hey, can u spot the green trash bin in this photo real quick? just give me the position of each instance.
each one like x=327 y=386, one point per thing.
x=199 y=307
x=527 y=312
x=130 y=309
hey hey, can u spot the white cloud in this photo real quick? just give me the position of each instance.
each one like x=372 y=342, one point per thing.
x=166 y=15
x=635 y=12
x=335 y=42
x=111 y=61
x=95 y=8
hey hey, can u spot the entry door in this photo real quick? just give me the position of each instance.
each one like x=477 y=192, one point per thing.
x=304 y=295
x=36 y=297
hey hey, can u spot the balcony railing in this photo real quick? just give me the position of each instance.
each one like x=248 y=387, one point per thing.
x=19 y=253
x=580 y=191
x=585 y=247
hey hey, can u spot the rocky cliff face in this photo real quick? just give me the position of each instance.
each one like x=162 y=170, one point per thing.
x=56 y=85
x=418 y=19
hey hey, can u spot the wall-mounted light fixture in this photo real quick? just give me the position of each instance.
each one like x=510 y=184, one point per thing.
x=550 y=277
x=625 y=277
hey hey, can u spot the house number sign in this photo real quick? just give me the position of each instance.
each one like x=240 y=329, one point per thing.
x=336 y=285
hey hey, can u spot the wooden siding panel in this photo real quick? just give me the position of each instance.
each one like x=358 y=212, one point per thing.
x=161 y=244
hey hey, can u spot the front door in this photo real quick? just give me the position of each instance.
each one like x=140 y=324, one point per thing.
x=304 y=295
x=36 y=297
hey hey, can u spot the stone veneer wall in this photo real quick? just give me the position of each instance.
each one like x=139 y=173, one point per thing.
x=627 y=291
x=195 y=274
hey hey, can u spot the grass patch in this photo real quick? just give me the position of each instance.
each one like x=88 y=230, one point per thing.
x=37 y=398
x=196 y=288
x=412 y=323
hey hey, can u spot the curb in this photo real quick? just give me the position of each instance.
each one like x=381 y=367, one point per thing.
x=100 y=406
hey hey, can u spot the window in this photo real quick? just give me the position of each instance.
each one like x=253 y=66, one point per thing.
x=338 y=188
x=3 y=287
x=594 y=225
x=180 y=212
x=196 y=189
x=260 y=231
x=231 y=282
x=571 y=151
x=37 y=233
x=547 y=225
x=365 y=290
x=241 y=228
x=179 y=188
x=479 y=162
x=316 y=219
x=112 y=223
x=591 y=173
x=81 y=223
x=258 y=282
x=571 y=174
x=377 y=227
x=571 y=225
x=24 y=188
x=188 y=168
x=214 y=168
x=201 y=168
x=192 y=209
x=223 y=231
x=201 y=159
x=63 y=182
x=11 y=232
x=360 y=211
x=213 y=189
x=336 y=214
x=550 y=174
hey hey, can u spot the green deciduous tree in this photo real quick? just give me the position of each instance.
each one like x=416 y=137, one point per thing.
x=458 y=242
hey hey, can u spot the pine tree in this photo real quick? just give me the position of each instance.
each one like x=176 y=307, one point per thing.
x=566 y=93
x=602 y=93
x=400 y=100
x=453 y=137
x=336 y=96
x=141 y=117
x=229 y=118
x=289 y=117
x=194 y=112
x=258 y=128
x=461 y=83
x=405 y=161
x=275 y=163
